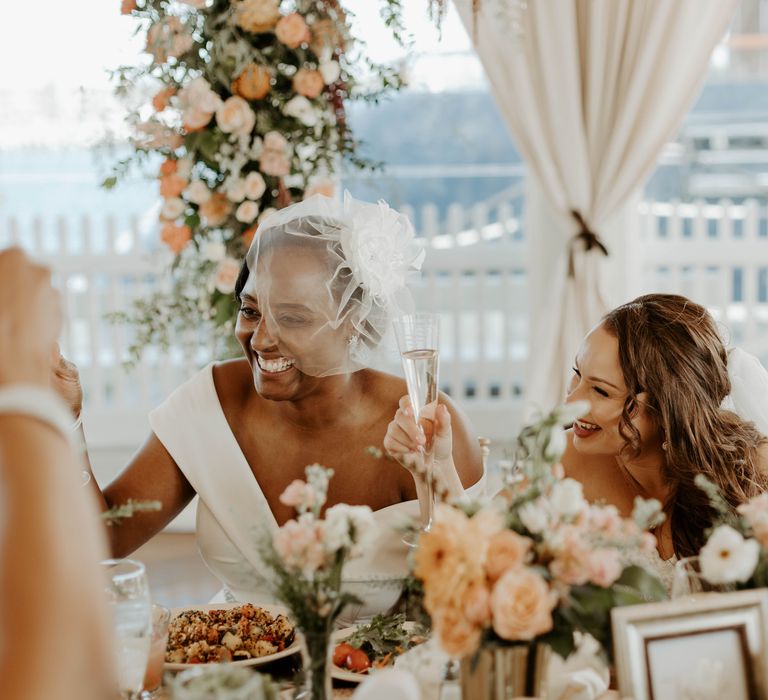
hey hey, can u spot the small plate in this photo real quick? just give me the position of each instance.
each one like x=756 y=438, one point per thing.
x=273 y=610
x=344 y=674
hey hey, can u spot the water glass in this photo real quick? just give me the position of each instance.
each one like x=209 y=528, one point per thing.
x=689 y=580
x=220 y=682
x=153 y=676
x=128 y=596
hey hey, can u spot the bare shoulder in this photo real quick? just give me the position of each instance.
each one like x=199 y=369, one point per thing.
x=233 y=380
x=385 y=388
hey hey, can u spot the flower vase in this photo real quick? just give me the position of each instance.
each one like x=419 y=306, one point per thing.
x=316 y=655
x=505 y=672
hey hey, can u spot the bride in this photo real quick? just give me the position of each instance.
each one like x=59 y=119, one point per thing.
x=656 y=375
x=316 y=293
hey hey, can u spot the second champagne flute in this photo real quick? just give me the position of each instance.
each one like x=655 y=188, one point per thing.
x=417 y=339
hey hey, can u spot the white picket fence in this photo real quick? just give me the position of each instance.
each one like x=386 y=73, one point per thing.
x=474 y=276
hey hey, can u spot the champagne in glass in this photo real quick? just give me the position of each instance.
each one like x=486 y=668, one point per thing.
x=417 y=338
x=128 y=595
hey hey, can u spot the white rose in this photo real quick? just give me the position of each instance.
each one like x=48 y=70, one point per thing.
x=247 y=211
x=364 y=529
x=254 y=185
x=173 y=207
x=330 y=70
x=567 y=498
x=213 y=250
x=197 y=192
x=235 y=189
x=727 y=557
x=337 y=528
x=235 y=116
x=266 y=214
x=301 y=108
x=275 y=141
x=534 y=516
x=225 y=276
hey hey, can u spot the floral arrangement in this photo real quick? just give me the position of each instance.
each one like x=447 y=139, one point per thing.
x=736 y=551
x=536 y=564
x=245 y=114
x=305 y=558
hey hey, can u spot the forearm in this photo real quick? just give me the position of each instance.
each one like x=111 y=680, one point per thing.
x=50 y=586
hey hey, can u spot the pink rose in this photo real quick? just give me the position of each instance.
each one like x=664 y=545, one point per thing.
x=299 y=544
x=506 y=550
x=235 y=116
x=521 y=605
x=292 y=30
x=298 y=495
x=308 y=83
x=226 y=275
x=604 y=566
x=571 y=562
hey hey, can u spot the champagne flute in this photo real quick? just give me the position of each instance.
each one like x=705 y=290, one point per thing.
x=417 y=339
x=128 y=596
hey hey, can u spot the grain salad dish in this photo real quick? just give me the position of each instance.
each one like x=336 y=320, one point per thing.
x=233 y=634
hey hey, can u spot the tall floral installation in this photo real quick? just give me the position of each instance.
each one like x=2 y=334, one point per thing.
x=537 y=565
x=247 y=114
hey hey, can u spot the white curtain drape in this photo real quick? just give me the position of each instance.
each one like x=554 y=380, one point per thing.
x=591 y=91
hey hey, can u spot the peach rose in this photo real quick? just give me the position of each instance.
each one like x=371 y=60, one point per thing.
x=226 y=275
x=175 y=237
x=292 y=30
x=521 y=605
x=308 y=82
x=154 y=135
x=167 y=167
x=457 y=636
x=324 y=187
x=168 y=38
x=253 y=83
x=215 y=211
x=326 y=37
x=247 y=212
x=506 y=550
x=274 y=163
x=161 y=100
x=571 y=562
x=127 y=6
x=254 y=185
x=257 y=15
x=275 y=141
x=172 y=208
x=604 y=566
x=477 y=602
x=172 y=186
x=248 y=235
x=235 y=116
x=197 y=192
x=195 y=119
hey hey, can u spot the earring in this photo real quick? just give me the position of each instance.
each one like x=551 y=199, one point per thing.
x=665 y=445
x=352 y=341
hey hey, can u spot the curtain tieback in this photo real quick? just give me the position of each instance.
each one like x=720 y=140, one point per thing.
x=587 y=236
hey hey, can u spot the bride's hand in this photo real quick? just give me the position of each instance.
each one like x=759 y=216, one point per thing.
x=65 y=380
x=405 y=443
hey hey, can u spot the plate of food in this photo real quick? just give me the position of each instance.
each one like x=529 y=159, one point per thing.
x=242 y=634
x=358 y=650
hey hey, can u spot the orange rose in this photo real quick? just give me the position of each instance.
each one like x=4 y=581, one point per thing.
x=293 y=31
x=521 y=605
x=216 y=210
x=248 y=235
x=172 y=186
x=308 y=83
x=457 y=635
x=253 y=83
x=160 y=101
x=168 y=167
x=127 y=6
x=175 y=237
x=257 y=15
x=506 y=550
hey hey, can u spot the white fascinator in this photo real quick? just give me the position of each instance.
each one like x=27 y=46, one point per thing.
x=328 y=276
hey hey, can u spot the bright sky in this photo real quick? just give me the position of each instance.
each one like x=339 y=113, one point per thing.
x=73 y=49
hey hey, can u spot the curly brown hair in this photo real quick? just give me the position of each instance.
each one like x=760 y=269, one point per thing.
x=670 y=350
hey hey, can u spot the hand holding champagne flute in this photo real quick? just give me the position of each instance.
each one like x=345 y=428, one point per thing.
x=417 y=339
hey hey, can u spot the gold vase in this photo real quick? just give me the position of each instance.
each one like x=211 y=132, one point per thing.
x=505 y=672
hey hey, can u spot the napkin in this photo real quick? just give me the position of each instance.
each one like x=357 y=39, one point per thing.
x=387 y=684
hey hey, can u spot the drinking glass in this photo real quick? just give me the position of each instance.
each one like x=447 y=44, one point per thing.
x=128 y=596
x=153 y=676
x=417 y=339
x=689 y=580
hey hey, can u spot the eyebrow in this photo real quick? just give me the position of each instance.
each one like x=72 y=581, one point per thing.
x=297 y=307
x=597 y=379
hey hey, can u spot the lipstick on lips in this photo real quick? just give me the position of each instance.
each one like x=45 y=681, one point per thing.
x=584 y=429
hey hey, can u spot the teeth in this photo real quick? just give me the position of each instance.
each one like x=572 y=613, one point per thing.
x=587 y=426
x=279 y=365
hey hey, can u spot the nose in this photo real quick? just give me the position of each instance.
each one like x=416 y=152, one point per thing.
x=262 y=339
x=574 y=391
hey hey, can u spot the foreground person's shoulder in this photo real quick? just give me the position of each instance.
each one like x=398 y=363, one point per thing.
x=383 y=384
x=232 y=376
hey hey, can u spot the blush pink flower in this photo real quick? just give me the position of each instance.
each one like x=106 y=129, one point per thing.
x=225 y=277
x=604 y=566
x=755 y=510
x=216 y=209
x=572 y=559
x=308 y=82
x=299 y=543
x=298 y=495
x=292 y=30
x=274 y=163
x=521 y=605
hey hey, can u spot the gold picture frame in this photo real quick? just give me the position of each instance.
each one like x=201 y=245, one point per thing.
x=712 y=645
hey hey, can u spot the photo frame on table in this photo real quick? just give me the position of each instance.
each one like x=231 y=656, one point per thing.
x=707 y=647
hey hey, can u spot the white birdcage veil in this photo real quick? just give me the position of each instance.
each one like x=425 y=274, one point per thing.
x=328 y=276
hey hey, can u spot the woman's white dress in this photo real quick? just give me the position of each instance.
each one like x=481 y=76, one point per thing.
x=233 y=513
